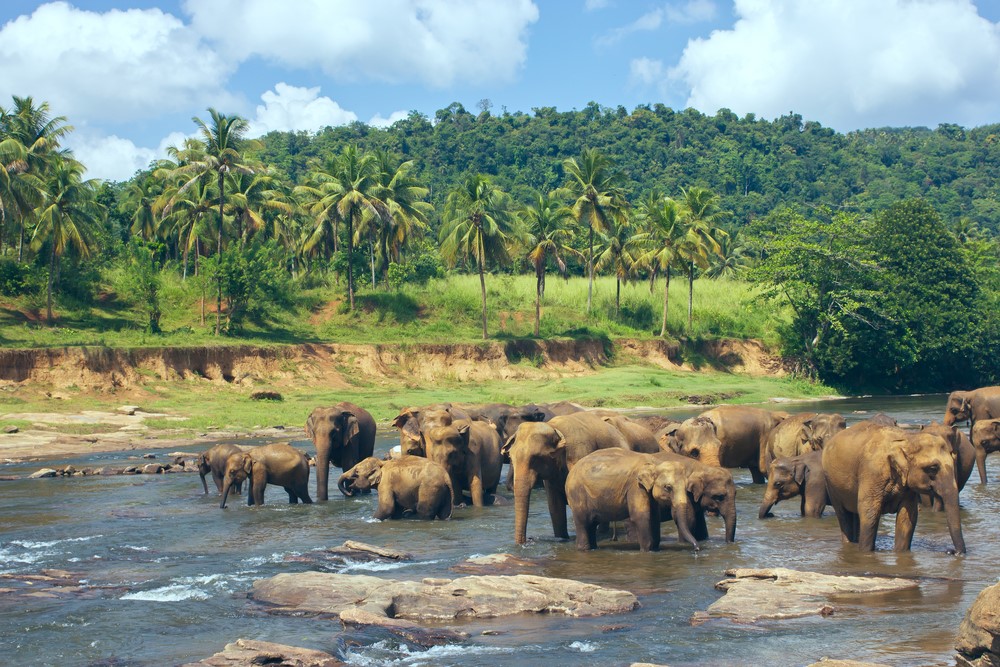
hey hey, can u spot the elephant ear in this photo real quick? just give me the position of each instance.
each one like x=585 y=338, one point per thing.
x=696 y=486
x=647 y=476
x=351 y=428
x=310 y=425
x=799 y=472
x=402 y=418
x=375 y=476
x=465 y=430
x=899 y=460
x=247 y=464
x=560 y=439
x=505 y=448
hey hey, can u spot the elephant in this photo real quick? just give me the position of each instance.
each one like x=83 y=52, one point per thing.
x=470 y=453
x=411 y=483
x=412 y=422
x=801 y=475
x=985 y=440
x=801 y=433
x=506 y=418
x=616 y=484
x=739 y=433
x=547 y=451
x=872 y=470
x=972 y=406
x=710 y=489
x=689 y=437
x=965 y=458
x=214 y=461
x=654 y=423
x=279 y=464
x=343 y=435
x=561 y=408
x=640 y=438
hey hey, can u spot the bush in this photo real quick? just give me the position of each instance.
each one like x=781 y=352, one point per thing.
x=15 y=278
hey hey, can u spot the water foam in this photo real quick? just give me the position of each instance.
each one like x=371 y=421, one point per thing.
x=390 y=653
x=584 y=647
x=173 y=593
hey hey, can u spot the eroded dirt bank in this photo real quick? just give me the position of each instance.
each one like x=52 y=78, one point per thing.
x=109 y=369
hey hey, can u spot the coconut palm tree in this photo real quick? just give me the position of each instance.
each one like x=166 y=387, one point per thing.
x=67 y=217
x=702 y=217
x=478 y=224
x=617 y=251
x=401 y=205
x=599 y=201
x=547 y=222
x=732 y=260
x=251 y=197
x=663 y=230
x=140 y=198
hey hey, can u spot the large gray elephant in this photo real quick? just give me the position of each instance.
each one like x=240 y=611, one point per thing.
x=985 y=440
x=213 y=461
x=505 y=417
x=799 y=434
x=873 y=470
x=343 y=435
x=972 y=406
x=413 y=422
x=409 y=484
x=470 y=452
x=739 y=433
x=279 y=464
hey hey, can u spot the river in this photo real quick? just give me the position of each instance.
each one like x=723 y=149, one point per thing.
x=166 y=574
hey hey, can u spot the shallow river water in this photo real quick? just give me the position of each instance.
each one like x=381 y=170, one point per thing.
x=169 y=573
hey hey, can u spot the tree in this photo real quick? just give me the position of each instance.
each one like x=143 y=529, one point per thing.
x=401 y=205
x=547 y=223
x=616 y=250
x=599 y=200
x=732 y=260
x=223 y=141
x=702 y=233
x=67 y=218
x=478 y=224
x=140 y=198
x=662 y=221
x=252 y=196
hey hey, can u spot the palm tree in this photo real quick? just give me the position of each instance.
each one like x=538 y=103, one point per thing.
x=662 y=220
x=222 y=140
x=67 y=217
x=599 y=199
x=344 y=188
x=401 y=205
x=547 y=220
x=251 y=195
x=617 y=250
x=140 y=198
x=732 y=260
x=184 y=217
x=702 y=216
x=478 y=224
x=20 y=190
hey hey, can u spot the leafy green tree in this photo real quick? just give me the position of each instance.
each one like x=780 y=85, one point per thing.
x=599 y=200
x=140 y=198
x=702 y=217
x=547 y=222
x=663 y=232
x=479 y=224
x=253 y=196
x=142 y=283
x=732 y=260
x=67 y=218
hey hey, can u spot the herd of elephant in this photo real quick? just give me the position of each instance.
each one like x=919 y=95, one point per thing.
x=641 y=470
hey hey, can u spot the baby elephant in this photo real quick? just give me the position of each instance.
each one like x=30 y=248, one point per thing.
x=790 y=476
x=279 y=464
x=409 y=483
x=213 y=461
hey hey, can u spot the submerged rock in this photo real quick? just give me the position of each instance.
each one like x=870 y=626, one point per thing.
x=437 y=599
x=250 y=653
x=978 y=641
x=766 y=594
x=494 y=564
x=44 y=472
x=369 y=551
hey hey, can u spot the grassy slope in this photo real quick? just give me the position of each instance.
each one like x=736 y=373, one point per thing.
x=442 y=311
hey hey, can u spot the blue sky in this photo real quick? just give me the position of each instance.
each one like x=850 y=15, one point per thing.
x=130 y=74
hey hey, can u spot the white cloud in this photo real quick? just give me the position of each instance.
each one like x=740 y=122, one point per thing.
x=112 y=158
x=437 y=42
x=378 y=121
x=292 y=108
x=646 y=71
x=110 y=66
x=693 y=11
x=850 y=63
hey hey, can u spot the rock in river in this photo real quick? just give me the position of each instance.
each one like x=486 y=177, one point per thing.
x=438 y=599
x=978 y=641
x=247 y=653
x=753 y=595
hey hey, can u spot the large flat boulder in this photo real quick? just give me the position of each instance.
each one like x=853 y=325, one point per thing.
x=250 y=653
x=777 y=593
x=437 y=600
x=978 y=641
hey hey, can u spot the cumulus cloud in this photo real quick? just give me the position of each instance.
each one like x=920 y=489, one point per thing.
x=437 y=42
x=646 y=71
x=591 y=5
x=112 y=158
x=850 y=63
x=693 y=11
x=114 y=65
x=292 y=108
x=378 y=121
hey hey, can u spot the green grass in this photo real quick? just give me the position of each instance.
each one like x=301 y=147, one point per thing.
x=443 y=311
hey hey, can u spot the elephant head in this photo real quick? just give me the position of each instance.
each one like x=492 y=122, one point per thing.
x=536 y=450
x=925 y=463
x=508 y=422
x=713 y=490
x=696 y=438
x=204 y=469
x=785 y=479
x=667 y=486
x=366 y=475
x=822 y=427
x=449 y=446
x=413 y=424
x=986 y=434
x=959 y=408
x=239 y=467
x=334 y=432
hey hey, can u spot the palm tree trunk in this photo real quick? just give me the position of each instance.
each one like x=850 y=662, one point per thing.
x=20 y=242
x=666 y=302
x=371 y=254
x=618 y=295
x=184 y=271
x=52 y=274
x=539 y=283
x=482 y=282
x=690 y=294
x=350 y=256
x=218 y=254
x=590 y=270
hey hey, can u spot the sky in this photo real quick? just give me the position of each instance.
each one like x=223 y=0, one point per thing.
x=130 y=75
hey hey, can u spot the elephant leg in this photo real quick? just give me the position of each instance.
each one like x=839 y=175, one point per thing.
x=869 y=515
x=981 y=463
x=386 y=505
x=846 y=521
x=640 y=512
x=814 y=500
x=557 y=508
x=444 y=505
x=906 y=522
x=302 y=491
x=699 y=529
x=217 y=478
x=757 y=475
x=323 y=474
x=476 y=489
x=583 y=524
x=292 y=498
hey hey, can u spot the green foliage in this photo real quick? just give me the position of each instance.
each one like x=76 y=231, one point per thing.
x=251 y=281
x=15 y=278
x=140 y=284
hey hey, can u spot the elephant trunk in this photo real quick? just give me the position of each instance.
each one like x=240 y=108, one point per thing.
x=203 y=482
x=710 y=456
x=949 y=496
x=322 y=472
x=524 y=480
x=684 y=519
x=343 y=484
x=770 y=500
x=225 y=493
x=729 y=515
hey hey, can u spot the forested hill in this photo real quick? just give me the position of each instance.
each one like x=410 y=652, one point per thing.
x=755 y=165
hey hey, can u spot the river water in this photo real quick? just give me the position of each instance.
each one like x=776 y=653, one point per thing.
x=167 y=573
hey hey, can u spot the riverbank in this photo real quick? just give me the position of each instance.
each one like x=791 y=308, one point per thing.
x=68 y=400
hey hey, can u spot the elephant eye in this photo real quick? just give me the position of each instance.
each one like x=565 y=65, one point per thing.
x=695 y=452
x=719 y=497
x=932 y=469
